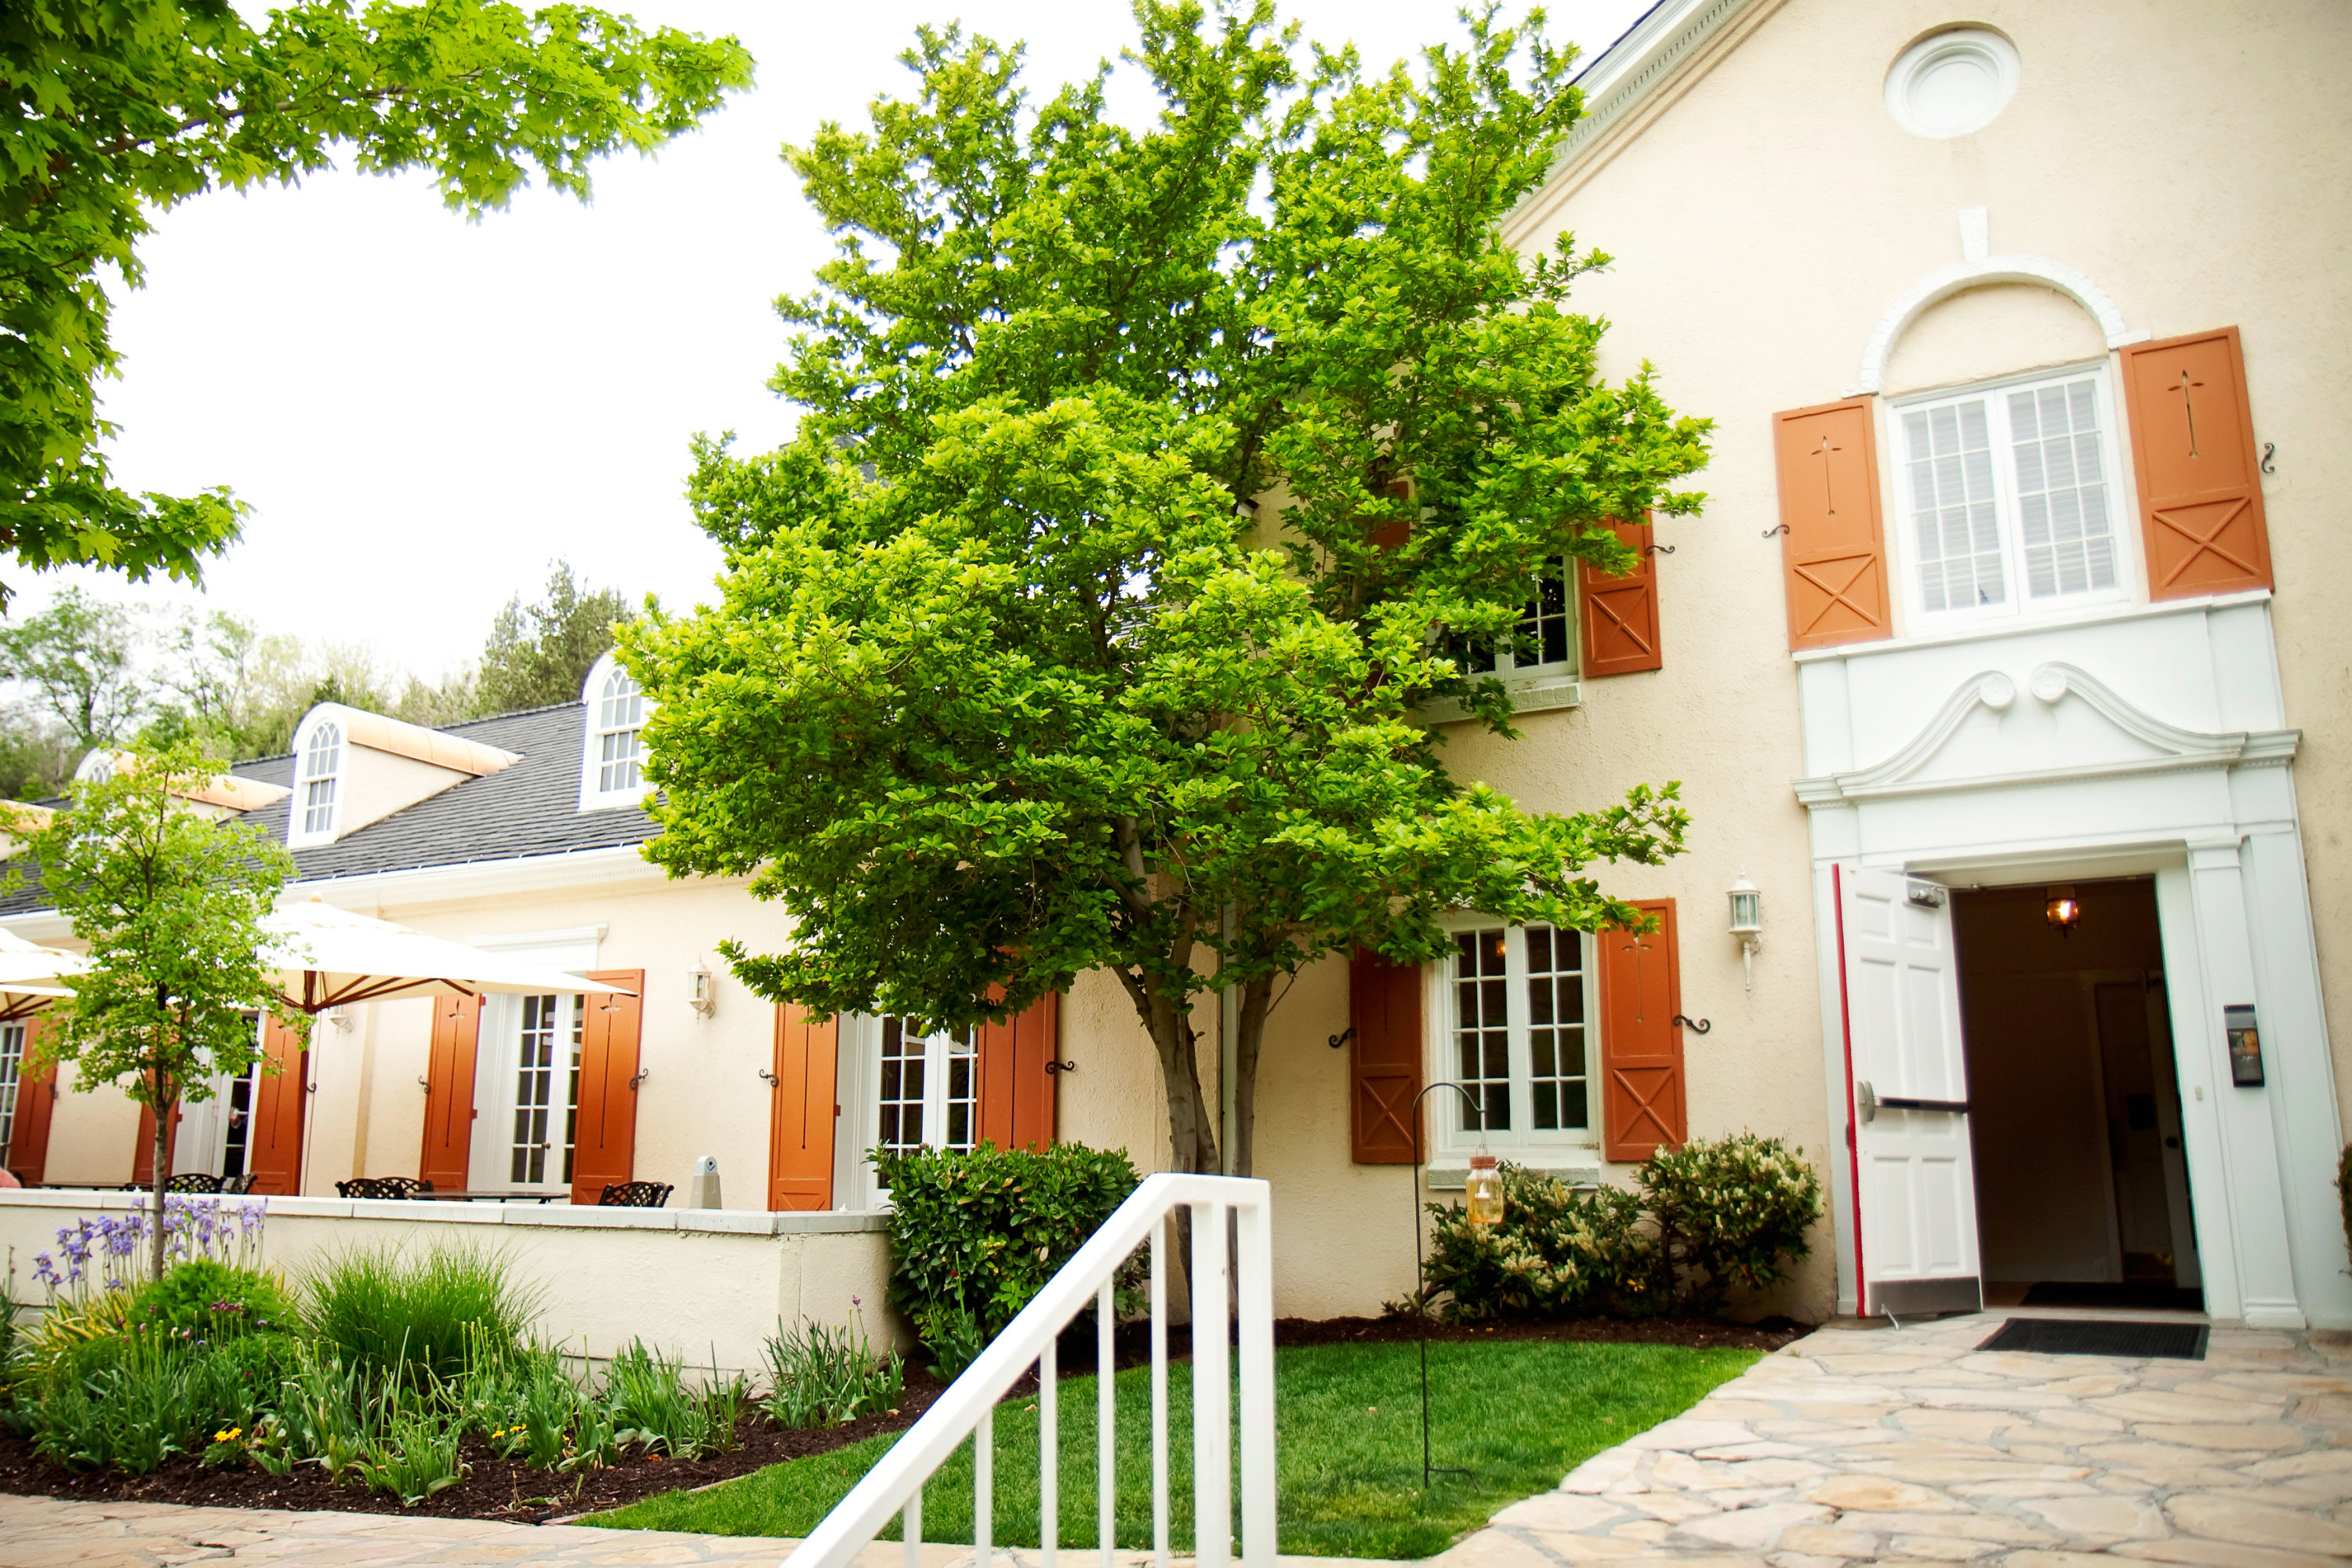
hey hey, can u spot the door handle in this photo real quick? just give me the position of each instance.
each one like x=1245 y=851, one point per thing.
x=1865 y=1102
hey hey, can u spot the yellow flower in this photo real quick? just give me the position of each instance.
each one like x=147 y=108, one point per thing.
x=231 y=1435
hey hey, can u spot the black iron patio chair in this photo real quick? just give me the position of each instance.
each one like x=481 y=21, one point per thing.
x=635 y=1195
x=193 y=1182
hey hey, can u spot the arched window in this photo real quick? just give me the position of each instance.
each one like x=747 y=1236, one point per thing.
x=322 y=762
x=612 y=771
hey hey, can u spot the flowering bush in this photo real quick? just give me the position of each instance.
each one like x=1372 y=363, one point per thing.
x=1704 y=1220
x=110 y=1251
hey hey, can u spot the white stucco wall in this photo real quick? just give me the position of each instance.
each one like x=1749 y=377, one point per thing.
x=707 y=1284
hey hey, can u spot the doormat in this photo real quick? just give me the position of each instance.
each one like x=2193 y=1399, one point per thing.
x=2134 y=1295
x=2096 y=1336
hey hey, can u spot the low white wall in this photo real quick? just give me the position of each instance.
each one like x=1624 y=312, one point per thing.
x=709 y=1284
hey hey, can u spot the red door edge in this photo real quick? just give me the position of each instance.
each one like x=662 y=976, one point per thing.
x=1852 y=1115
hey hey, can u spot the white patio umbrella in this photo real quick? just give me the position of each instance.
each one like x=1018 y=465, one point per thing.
x=326 y=957
x=32 y=976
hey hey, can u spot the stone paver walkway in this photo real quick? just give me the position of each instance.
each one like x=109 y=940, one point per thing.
x=49 y=1533
x=1909 y=1446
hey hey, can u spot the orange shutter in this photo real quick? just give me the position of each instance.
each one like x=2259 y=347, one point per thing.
x=1017 y=1092
x=273 y=1149
x=1618 y=617
x=1641 y=1045
x=802 y=1106
x=605 y=1136
x=2200 y=483
x=143 y=1156
x=1832 y=551
x=449 y=1092
x=37 y=1096
x=1384 y=1059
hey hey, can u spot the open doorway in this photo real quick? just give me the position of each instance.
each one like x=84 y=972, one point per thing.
x=2075 y=1106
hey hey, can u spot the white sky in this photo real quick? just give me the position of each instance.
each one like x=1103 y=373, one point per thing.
x=422 y=411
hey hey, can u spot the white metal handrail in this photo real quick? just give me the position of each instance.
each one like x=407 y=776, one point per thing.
x=968 y=1408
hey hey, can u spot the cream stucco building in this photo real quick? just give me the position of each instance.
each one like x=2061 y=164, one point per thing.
x=2001 y=661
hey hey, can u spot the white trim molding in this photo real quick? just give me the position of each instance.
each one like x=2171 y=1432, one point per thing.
x=2052 y=682
x=1972 y=272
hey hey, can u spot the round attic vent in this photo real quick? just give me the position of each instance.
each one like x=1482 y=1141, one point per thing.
x=1953 y=82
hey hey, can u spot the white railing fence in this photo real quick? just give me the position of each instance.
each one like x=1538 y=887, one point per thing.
x=968 y=1407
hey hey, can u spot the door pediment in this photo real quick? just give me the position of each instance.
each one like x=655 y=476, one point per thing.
x=2074 y=726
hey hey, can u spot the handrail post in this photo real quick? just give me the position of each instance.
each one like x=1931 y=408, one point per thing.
x=1254 y=1314
x=1212 y=1463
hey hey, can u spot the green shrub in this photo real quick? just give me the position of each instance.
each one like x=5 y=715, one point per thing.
x=414 y=1453
x=430 y=1317
x=1731 y=1214
x=1712 y=1217
x=823 y=1376
x=974 y=1234
x=526 y=1408
x=208 y=1300
x=1558 y=1252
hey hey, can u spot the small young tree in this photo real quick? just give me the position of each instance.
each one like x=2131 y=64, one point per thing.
x=537 y=656
x=1148 y=481
x=169 y=901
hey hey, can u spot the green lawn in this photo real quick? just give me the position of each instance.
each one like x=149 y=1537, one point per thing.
x=1519 y=1416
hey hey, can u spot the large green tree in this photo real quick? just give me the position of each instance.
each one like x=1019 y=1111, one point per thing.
x=78 y=661
x=112 y=111
x=1147 y=479
x=537 y=655
x=169 y=902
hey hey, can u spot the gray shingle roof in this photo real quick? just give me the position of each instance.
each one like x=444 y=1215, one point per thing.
x=529 y=808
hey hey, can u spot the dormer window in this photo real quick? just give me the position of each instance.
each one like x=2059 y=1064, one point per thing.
x=611 y=771
x=321 y=769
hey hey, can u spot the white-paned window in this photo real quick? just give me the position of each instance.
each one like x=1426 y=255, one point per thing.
x=11 y=1072
x=2006 y=498
x=927 y=1087
x=546 y=1090
x=1545 y=635
x=1516 y=1031
x=322 y=767
x=613 y=770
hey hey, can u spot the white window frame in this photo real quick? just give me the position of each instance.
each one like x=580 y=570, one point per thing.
x=858 y=1069
x=1450 y=1144
x=14 y=1037
x=2020 y=607
x=1534 y=687
x=593 y=796
x=497 y=1078
x=298 y=831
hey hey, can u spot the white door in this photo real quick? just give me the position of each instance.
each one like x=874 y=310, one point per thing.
x=1909 y=1081
x=527 y=1087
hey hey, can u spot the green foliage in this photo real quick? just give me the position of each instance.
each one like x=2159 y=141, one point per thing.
x=974 y=1234
x=169 y=904
x=112 y=111
x=212 y=1301
x=79 y=656
x=646 y=1398
x=819 y=1376
x=1712 y=1217
x=1557 y=1252
x=1021 y=671
x=538 y=656
x=1732 y=1214
x=1517 y=1416
x=414 y=1455
x=525 y=1406
x=134 y=1399
x=427 y=1316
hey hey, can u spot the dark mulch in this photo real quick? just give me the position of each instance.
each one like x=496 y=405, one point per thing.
x=496 y=1488
x=499 y=1488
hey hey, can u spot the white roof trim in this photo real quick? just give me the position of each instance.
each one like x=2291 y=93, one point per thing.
x=1621 y=75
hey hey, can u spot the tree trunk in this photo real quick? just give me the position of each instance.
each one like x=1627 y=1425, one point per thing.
x=1257 y=1000
x=166 y=1107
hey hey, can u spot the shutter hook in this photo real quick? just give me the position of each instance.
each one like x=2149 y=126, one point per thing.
x=2268 y=448
x=642 y=1074
x=1061 y=1066
x=1696 y=1025
x=1777 y=528
x=1336 y=1041
x=773 y=1081
x=1657 y=550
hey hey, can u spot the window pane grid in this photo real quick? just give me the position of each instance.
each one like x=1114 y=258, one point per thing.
x=12 y=1068
x=620 y=715
x=1954 y=517
x=1556 y=1063
x=322 y=758
x=534 y=1090
x=1542 y=632
x=2062 y=493
x=929 y=1083
x=1482 y=1030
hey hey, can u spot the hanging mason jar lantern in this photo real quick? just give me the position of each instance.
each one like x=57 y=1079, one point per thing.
x=1482 y=1192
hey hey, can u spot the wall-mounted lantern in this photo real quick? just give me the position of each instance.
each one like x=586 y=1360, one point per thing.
x=1747 y=924
x=698 y=993
x=2063 y=911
